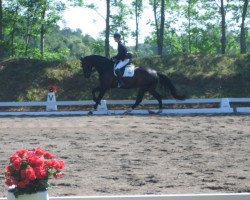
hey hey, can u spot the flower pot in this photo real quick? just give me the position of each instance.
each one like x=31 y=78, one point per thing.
x=36 y=196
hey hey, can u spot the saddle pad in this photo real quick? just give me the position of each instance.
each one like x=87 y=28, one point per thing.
x=129 y=71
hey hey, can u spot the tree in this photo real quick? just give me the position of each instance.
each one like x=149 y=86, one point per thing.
x=14 y=28
x=107 y=31
x=31 y=14
x=159 y=22
x=217 y=9
x=192 y=16
x=107 y=24
x=162 y=22
x=243 y=46
x=138 y=11
x=119 y=18
x=223 y=26
x=49 y=15
x=1 y=30
x=42 y=27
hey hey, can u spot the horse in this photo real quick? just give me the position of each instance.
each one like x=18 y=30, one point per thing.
x=145 y=79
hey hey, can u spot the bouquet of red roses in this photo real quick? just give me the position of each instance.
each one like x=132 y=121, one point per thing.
x=29 y=170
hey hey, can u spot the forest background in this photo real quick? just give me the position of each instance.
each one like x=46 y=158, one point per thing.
x=29 y=28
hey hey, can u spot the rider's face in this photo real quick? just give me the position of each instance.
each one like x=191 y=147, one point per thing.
x=116 y=39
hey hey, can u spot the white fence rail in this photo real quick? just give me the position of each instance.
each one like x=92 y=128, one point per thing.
x=50 y=107
x=229 y=196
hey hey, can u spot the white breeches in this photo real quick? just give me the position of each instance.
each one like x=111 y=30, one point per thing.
x=122 y=63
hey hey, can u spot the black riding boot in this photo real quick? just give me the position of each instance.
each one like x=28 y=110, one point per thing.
x=119 y=78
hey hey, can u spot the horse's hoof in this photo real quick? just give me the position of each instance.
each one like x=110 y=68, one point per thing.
x=151 y=112
x=127 y=112
x=159 y=111
x=90 y=112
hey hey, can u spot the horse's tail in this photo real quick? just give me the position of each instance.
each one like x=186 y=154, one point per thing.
x=165 y=82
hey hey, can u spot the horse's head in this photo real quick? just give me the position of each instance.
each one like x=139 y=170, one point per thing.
x=86 y=66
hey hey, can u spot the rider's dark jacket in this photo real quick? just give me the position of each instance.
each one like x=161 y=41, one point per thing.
x=122 y=52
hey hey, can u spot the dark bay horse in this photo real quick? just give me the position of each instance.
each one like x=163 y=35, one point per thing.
x=145 y=79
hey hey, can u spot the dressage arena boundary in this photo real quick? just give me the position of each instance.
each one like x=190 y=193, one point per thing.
x=51 y=107
x=222 y=196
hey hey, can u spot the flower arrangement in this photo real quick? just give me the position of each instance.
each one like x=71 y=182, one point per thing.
x=29 y=170
x=52 y=88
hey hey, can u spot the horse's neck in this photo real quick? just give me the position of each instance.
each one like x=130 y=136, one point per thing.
x=104 y=65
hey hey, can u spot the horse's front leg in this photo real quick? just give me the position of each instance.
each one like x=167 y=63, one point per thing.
x=94 y=91
x=100 y=96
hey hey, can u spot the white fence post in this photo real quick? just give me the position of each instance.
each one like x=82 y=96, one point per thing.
x=103 y=106
x=51 y=98
x=225 y=103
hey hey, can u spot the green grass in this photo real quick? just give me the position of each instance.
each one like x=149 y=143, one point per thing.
x=198 y=76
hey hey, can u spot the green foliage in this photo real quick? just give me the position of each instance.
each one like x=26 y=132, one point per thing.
x=190 y=27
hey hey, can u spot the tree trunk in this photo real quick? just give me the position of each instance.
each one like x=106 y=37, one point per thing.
x=189 y=27
x=138 y=10
x=156 y=24
x=42 y=32
x=136 y=25
x=223 y=28
x=1 y=30
x=243 y=46
x=13 y=32
x=161 y=39
x=107 y=32
x=27 y=40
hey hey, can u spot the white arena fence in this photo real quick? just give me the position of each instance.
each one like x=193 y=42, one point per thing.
x=222 y=196
x=51 y=107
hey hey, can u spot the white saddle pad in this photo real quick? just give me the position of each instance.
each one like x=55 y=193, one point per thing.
x=129 y=71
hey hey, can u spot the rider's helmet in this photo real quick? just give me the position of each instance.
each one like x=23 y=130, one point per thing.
x=117 y=35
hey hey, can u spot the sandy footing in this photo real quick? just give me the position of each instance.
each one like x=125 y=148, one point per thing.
x=127 y=155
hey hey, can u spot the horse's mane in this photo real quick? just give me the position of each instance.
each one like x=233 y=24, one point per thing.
x=100 y=59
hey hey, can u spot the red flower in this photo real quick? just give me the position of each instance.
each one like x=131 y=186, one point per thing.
x=21 y=152
x=17 y=163
x=8 y=183
x=48 y=155
x=57 y=164
x=52 y=88
x=40 y=172
x=14 y=157
x=38 y=151
x=28 y=174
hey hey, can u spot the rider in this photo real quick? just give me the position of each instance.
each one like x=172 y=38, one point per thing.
x=122 y=58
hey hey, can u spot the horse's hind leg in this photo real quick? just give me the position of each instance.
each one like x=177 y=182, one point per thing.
x=139 y=97
x=156 y=95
